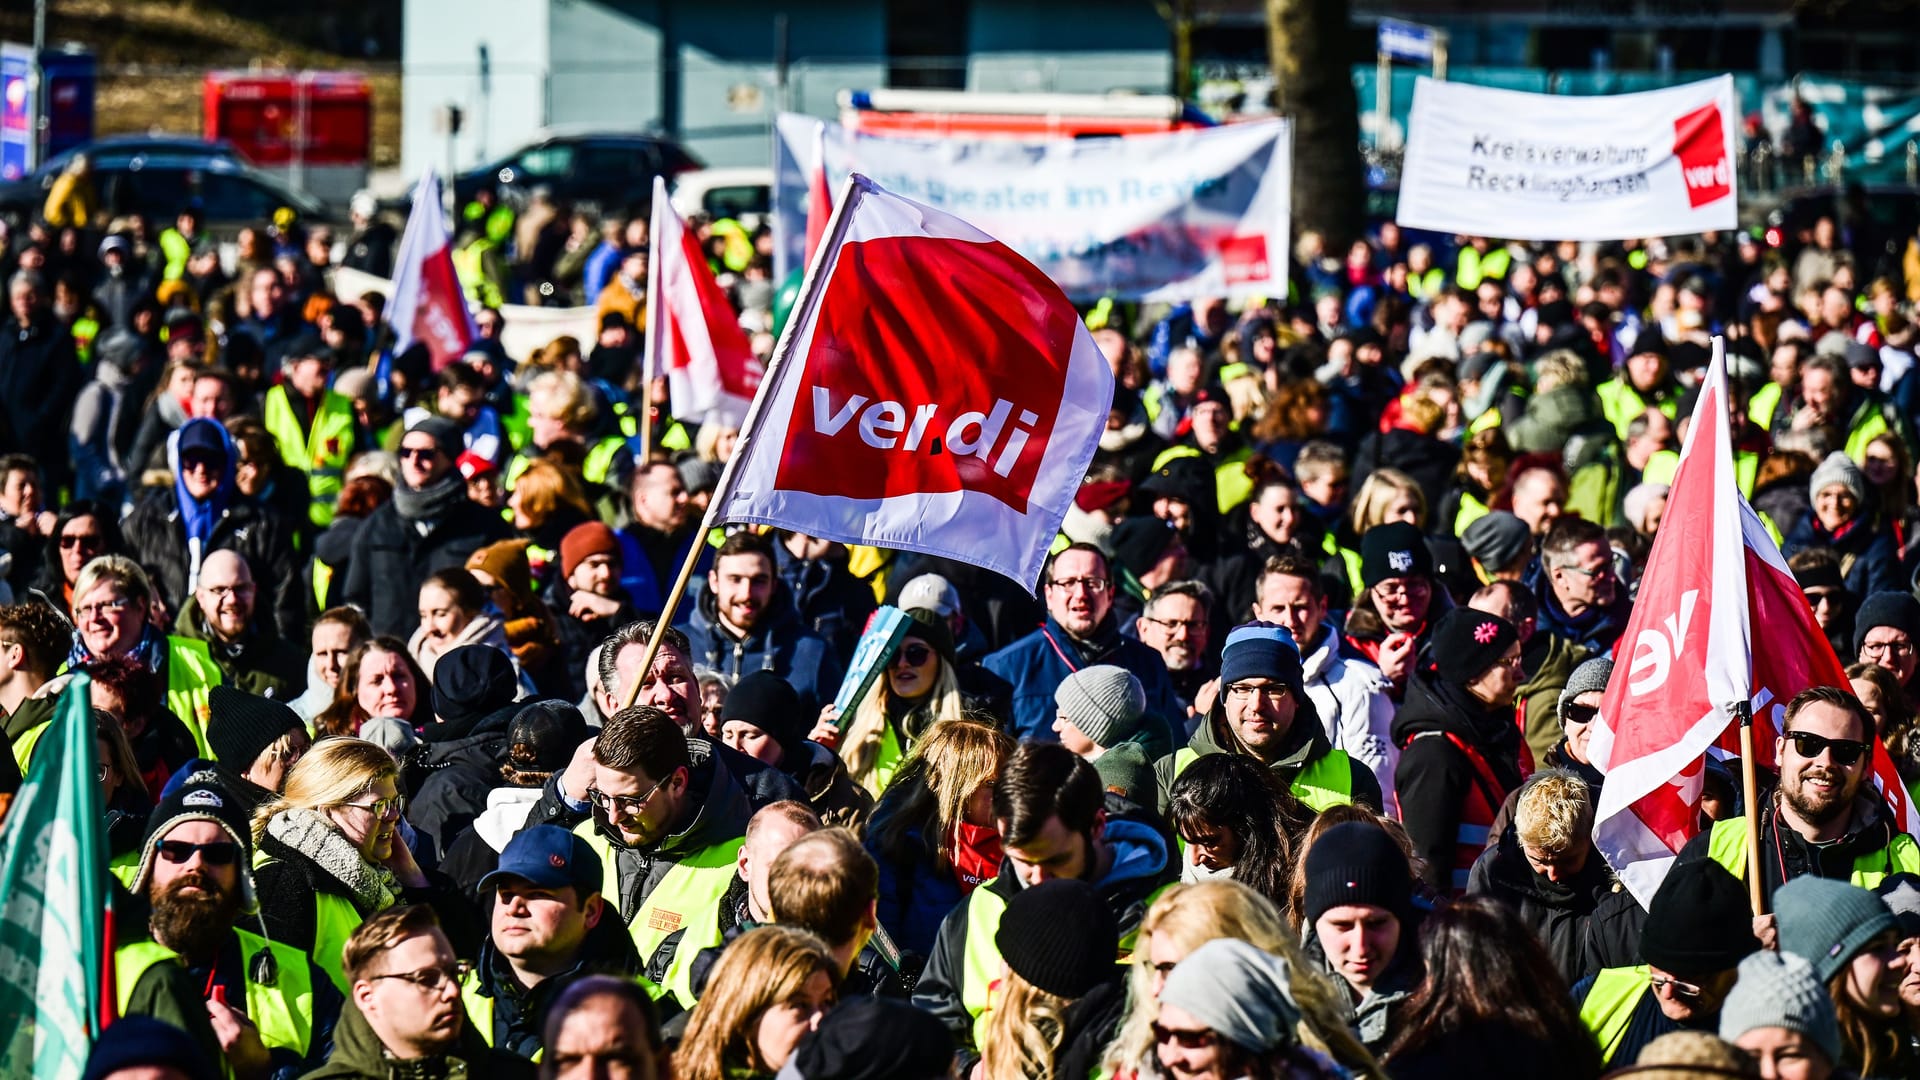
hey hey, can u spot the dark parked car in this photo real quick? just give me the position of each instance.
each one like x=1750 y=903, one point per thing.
x=611 y=172
x=159 y=184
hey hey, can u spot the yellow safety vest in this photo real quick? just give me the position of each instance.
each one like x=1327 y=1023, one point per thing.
x=322 y=453
x=1232 y=486
x=1765 y=402
x=1471 y=510
x=886 y=761
x=1325 y=781
x=1727 y=845
x=518 y=424
x=334 y=921
x=191 y=677
x=1608 y=1010
x=1664 y=463
x=282 y=1010
x=1621 y=404
x=480 y=1011
x=1862 y=434
x=687 y=899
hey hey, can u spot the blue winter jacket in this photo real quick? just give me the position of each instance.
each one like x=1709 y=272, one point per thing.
x=1038 y=663
x=780 y=644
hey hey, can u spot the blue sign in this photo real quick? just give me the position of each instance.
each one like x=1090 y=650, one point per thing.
x=16 y=111
x=1407 y=41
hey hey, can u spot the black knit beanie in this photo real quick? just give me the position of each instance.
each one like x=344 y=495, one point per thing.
x=1358 y=863
x=930 y=627
x=1060 y=936
x=470 y=683
x=1467 y=642
x=1699 y=922
x=240 y=726
x=771 y=704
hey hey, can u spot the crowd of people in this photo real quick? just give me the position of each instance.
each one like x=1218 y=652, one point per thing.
x=1286 y=771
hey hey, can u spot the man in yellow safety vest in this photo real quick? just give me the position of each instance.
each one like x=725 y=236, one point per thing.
x=199 y=961
x=312 y=425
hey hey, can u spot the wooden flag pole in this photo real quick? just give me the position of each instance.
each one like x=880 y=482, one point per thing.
x=1756 y=887
x=653 y=338
x=836 y=227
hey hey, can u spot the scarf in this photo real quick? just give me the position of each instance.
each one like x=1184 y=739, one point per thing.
x=199 y=516
x=310 y=834
x=431 y=502
x=150 y=650
x=976 y=855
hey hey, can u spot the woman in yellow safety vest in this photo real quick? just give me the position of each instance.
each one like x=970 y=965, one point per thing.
x=920 y=689
x=112 y=609
x=328 y=853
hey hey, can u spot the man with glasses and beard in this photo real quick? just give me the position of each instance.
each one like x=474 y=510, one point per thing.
x=1823 y=819
x=199 y=961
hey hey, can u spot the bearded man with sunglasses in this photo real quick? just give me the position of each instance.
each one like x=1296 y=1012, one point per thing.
x=200 y=961
x=1823 y=819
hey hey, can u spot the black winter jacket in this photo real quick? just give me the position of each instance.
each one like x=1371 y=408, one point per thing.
x=391 y=558
x=457 y=774
x=158 y=540
x=1433 y=778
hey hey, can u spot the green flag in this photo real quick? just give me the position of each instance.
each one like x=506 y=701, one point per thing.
x=53 y=901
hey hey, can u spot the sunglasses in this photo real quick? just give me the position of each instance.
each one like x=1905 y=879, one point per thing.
x=218 y=853
x=419 y=453
x=1186 y=1040
x=1845 y=751
x=915 y=655
x=89 y=541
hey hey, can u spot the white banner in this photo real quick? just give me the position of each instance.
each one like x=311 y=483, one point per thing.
x=1172 y=216
x=522 y=330
x=1519 y=166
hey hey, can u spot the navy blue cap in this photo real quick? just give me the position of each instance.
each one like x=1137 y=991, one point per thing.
x=549 y=857
x=203 y=436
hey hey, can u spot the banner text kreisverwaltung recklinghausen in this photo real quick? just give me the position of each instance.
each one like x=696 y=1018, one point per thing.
x=1525 y=152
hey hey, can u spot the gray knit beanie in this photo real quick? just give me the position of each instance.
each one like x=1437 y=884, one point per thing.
x=1105 y=702
x=1588 y=677
x=1828 y=922
x=1780 y=990
x=1243 y=994
x=1839 y=469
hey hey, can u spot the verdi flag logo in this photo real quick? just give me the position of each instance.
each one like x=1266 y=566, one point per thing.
x=53 y=902
x=1701 y=145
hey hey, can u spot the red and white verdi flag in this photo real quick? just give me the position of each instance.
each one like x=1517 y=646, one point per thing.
x=428 y=305
x=1719 y=619
x=934 y=392
x=693 y=334
x=819 y=197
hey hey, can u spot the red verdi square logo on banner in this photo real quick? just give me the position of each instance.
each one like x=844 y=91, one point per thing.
x=929 y=397
x=1701 y=145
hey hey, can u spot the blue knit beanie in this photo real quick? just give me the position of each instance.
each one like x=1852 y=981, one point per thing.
x=1260 y=650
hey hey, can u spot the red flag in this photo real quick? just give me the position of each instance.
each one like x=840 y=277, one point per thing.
x=428 y=305
x=819 y=198
x=692 y=332
x=934 y=391
x=1719 y=619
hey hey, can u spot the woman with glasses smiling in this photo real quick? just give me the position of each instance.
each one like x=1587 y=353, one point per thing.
x=113 y=615
x=330 y=853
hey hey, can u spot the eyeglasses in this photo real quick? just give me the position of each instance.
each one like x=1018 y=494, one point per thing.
x=199 y=463
x=1093 y=585
x=91 y=541
x=1191 y=626
x=384 y=809
x=104 y=607
x=417 y=453
x=1845 y=751
x=1887 y=648
x=623 y=805
x=1271 y=691
x=218 y=853
x=914 y=655
x=1604 y=570
x=433 y=979
x=1680 y=989
x=221 y=592
x=1187 y=1040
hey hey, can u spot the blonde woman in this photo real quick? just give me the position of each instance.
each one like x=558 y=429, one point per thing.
x=1186 y=917
x=933 y=833
x=920 y=689
x=328 y=852
x=769 y=988
x=1060 y=995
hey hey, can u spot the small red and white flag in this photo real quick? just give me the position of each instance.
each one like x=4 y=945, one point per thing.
x=819 y=196
x=934 y=392
x=428 y=305
x=693 y=334
x=1718 y=620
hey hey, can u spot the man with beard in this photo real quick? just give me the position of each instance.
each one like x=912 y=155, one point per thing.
x=1177 y=624
x=408 y=1018
x=1823 y=819
x=745 y=620
x=657 y=538
x=199 y=961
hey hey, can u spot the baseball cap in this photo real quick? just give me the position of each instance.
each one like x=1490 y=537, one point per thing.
x=930 y=591
x=549 y=857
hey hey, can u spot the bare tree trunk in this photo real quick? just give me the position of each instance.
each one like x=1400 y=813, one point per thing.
x=1312 y=86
